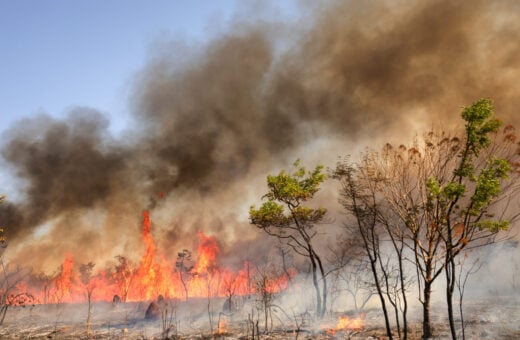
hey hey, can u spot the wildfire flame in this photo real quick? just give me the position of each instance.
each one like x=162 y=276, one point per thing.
x=223 y=326
x=347 y=324
x=155 y=275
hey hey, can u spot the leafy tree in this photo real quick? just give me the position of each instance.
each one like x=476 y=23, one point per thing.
x=285 y=216
x=466 y=205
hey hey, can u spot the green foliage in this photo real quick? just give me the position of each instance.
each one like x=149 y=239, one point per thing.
x=434 y=188
x=488 y=179
x=287 y=191
x=479 y=124
x=269 y=214
x=453 y=190
x=449 y=193
x=296 y=187
x=489 y=183
x=493 y=226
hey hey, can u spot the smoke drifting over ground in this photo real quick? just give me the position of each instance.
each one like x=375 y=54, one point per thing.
x=210 y=130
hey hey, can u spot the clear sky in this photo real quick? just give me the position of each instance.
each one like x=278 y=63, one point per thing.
x=58 y=54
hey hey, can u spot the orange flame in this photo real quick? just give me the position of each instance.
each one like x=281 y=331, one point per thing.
x=207 y=251
x=155 y=275
x=347 y=324
x=223 y=325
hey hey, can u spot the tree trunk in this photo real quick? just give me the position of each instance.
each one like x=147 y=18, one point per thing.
x=427 y=329
x=450 y=287
x=316 y=284
x=322 y=272
x=382 y=298
x=405 y=300
x=89 y=297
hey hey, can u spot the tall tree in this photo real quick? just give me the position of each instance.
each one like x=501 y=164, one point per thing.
x=445 y=193
x=360 y=198
x=285 y=216
x=471 y=205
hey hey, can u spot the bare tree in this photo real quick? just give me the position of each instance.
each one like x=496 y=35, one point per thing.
x=86 y=279
x=266 y=280
x=347 y=267
x=229 y=285
x=45 y=284
x=360 y=199
x=461 y=282
x=9 y=294
x=184 y=267
x=168 y=311
x=123 y=276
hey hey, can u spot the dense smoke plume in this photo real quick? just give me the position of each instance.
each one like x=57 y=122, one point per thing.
x=209 y=129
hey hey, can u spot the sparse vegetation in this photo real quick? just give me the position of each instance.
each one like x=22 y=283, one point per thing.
x=411 y=215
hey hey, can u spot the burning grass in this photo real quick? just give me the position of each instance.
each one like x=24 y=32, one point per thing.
x=156 y=275
x=203 y=299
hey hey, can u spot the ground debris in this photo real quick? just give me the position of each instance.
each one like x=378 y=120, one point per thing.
x=496 y=319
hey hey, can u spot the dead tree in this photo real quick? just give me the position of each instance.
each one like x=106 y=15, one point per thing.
x=229 y=285
x=123 y=276
x=358 y=197
x=9 y=294
x=184 y=267
x=86 y=279
x=266 y=285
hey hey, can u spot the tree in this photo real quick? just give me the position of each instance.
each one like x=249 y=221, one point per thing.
x=265 y=280
x=123 y=276
x=360 y=198
x=9 y=293
x=229 y=285
x=468 y=205
x=85 y=271
x=349 y=271
x=445 y=193
x=285 y=216
x=184 y=267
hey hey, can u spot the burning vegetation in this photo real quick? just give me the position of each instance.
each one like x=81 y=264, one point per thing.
x=153 y=277
x=389 y=249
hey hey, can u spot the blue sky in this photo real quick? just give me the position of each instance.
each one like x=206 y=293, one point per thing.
x=58 y=54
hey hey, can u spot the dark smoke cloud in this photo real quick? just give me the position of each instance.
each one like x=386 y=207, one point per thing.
x=359 y=72
x=67 y=165
x=204 y=120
